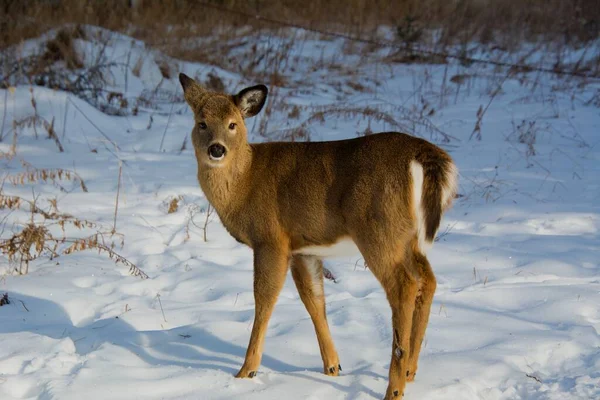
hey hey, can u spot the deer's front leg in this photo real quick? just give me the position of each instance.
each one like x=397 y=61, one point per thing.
x=270 y=269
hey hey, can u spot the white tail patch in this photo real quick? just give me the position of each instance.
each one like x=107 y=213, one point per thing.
x=451 y=186
x=416 y=172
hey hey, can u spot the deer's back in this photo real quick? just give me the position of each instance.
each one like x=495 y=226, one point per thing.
x=315 y=191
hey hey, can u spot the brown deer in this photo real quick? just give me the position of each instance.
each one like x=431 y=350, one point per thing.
x=382 y=195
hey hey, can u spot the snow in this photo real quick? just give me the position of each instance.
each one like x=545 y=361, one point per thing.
x=515 y=314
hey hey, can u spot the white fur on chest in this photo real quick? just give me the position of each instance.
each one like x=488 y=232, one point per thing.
x=343 y=248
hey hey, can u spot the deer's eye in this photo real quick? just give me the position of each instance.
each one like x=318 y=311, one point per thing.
x=202 y=125
x=232 y=126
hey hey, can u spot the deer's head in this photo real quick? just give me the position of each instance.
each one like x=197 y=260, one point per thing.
x=219 y=134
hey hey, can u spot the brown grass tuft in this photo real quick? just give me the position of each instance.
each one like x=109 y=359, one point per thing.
x=173 y=205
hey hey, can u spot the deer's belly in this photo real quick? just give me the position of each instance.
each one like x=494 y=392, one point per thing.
x=343 y=248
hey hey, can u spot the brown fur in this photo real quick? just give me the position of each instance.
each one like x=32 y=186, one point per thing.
x=278 y=198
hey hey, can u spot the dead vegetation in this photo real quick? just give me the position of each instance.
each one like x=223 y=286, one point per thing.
x=173 y=205
x=58 y=64
x=160 y=22
x=45 y=175
x=175 y=27
x=398 y=118
x=46 y=234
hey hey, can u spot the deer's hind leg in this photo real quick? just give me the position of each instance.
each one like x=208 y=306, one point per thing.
x=427 y=285
x=389 y=262
x=307 y=272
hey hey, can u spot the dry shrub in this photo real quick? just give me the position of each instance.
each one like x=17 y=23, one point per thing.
x=61 y=48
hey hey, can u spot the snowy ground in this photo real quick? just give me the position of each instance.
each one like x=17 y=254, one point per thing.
x=515 y=315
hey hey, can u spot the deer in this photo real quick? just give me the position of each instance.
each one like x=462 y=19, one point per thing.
x=380 y=196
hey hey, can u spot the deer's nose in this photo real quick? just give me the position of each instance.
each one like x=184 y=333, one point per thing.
x=216 y=151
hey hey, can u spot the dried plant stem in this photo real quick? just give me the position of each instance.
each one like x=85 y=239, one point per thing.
x=133 y=269
x=117 y=200
x=161 y=307
x=52 y=135
x=166 y=127
x=23 y=304
x=65 y=117
x=209 y=212
x=3 y=116
x=481 y=111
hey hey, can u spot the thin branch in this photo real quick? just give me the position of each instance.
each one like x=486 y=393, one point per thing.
x=3 y=115
x=166 y=127
x=117 y=200
x=161 y=307
x=23 y=304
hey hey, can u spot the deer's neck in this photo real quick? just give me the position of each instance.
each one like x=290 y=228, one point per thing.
x=225 y=187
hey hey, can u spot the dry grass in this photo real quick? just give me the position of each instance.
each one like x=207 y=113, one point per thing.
x=165 y=24
x=45 y=234
x=53 y=175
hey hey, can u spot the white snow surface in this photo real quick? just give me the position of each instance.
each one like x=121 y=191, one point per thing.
x=516 y=313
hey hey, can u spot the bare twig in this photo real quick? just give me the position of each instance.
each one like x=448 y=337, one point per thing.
x=481 y=111
x=52 y=134
x=161 y=307
x=535 y=378
x=209 y=211
x=3 y=115
x=117 y=200
x=23 y=304
x=166 y=127
x=65 y=117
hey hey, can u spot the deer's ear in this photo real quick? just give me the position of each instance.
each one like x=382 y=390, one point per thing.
x=186 y=81
x=192 y=91
x=251 y=100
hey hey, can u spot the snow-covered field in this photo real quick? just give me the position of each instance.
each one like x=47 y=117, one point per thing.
x=516 y=314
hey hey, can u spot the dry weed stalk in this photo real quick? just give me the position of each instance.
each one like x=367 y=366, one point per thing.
x=194 y=209
x=481 y=111
x=54 y=175
x=209 y=213
x=117 y=200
